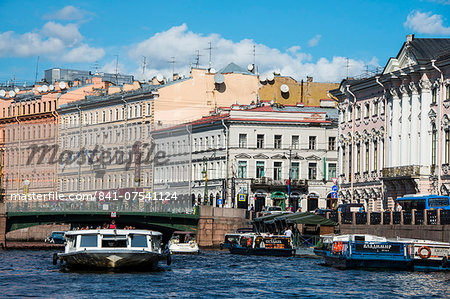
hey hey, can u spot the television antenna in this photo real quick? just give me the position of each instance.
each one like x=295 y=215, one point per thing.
x=347 y=65
x=117 y=65
x=172 y=61
x=144 y=64
x=197 y=59
x=210 y=47
x=37 y=68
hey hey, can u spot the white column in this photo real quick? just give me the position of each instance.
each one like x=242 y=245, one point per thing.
x=405 y=127
x=415 y=110
x=395 y=141
x=425 y=124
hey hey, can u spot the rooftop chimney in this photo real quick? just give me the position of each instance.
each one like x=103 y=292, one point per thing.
x=409 y=38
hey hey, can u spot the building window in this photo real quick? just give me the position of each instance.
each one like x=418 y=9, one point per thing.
x=434 y=94
x=277 y=171
x=358 y=158
x=312 y=171
x=260 y=141
x=358 y=112
x=242 y=169
x=447 y=146
x=242 y=140
x=367 y=157
x=259 y=169
x=375 y=109
x=366 y=110
x=447 y=88
x=433 y=145
x=312 y=142
x=295 y=142
x=331 y=143
x=375 y=155
x=295 y=170
x=350 y=114
x=331 y=170
x=277 y=141
x=344 y=161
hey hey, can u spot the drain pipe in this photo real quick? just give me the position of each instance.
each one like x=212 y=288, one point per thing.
x=377 y=79
x=440 y=109
x=226 y=161
x=353 y=142
x=339 y=136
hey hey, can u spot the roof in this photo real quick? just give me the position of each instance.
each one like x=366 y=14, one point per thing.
x=112 y=231
x=271 y=216
x=425 y=49
x=234 y=68
x=306 y=218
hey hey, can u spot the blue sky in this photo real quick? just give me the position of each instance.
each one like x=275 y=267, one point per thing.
x=299 y=38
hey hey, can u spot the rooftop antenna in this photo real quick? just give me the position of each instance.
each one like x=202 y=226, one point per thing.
x=117 y=65
x=172 y=61
x=347 y=65
x=144 y=64
x=96 y=67
x=37 y=68
x=254 y=54
x=210 y=54
x=197 y=59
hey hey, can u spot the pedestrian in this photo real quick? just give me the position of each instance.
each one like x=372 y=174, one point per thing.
x=112 y=225
x=398 y=207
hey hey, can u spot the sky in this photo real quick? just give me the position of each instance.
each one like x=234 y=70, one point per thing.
x=296 y=38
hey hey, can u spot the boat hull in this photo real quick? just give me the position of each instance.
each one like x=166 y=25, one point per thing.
x=109 y=259
x=261 y=251
x=346 y=263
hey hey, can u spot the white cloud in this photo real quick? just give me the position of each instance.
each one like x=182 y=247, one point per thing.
x=69 y=33
x=426 y=22
x=68 y=12
x=182 y=44
x=314 y=41
x=83 y=53
x=54 y=41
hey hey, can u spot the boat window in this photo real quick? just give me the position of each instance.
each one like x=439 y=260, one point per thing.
x=114 y=243
x=139 y=241
x=88 y=241
x=359 y=238
x=156 y=242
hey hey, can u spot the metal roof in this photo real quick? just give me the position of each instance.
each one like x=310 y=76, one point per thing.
x=425 y=49
x=234 y=68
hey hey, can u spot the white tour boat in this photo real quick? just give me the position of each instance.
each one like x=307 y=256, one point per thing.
x=184 y=243
x=112 y=248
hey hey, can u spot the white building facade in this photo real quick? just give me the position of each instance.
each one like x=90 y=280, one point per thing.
x=246 y=155
x=394 y=135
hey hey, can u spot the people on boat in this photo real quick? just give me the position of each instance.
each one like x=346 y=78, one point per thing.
x=112 y=225
x=287 y=232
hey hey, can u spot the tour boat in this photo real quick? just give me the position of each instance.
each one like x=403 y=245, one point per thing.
x=183 y=243
x=368 y=251
x=263 y=244
x=113 y=249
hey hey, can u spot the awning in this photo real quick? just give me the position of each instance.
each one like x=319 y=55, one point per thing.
x=302 y=218
x=271 y=216
x=278 y=195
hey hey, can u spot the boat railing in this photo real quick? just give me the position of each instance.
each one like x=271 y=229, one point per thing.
x=406 y=217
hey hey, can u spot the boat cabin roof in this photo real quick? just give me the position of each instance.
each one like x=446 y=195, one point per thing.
x=112 y=231
x=183 y=233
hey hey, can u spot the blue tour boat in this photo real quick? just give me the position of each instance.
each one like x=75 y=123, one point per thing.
x=368 y=251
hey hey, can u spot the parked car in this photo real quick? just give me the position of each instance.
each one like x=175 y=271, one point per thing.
x=56 y=238
x=272 y=210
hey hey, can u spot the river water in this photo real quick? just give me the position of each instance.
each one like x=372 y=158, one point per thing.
x=30 y=273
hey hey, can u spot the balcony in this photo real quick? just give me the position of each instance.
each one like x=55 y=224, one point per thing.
x=268 y=183
x=401 y=171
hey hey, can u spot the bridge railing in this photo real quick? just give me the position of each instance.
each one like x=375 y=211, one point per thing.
x=413 y=217
x=181 y=206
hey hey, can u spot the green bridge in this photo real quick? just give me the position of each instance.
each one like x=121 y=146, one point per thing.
x=163 y=218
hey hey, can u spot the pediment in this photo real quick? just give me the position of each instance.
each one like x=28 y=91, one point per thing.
x=243 y=156
x=260 y=156
x=313 y=158
x=278 y=156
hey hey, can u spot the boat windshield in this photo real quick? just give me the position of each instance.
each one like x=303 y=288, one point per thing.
x=88 y=241
x=138 y=241
x=114 y=241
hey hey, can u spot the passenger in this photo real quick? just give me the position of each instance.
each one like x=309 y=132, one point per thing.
x=287 y=232
x=112 y=225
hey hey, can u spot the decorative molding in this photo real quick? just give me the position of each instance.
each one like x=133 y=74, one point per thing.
x=414 y=87
x=425 y=84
